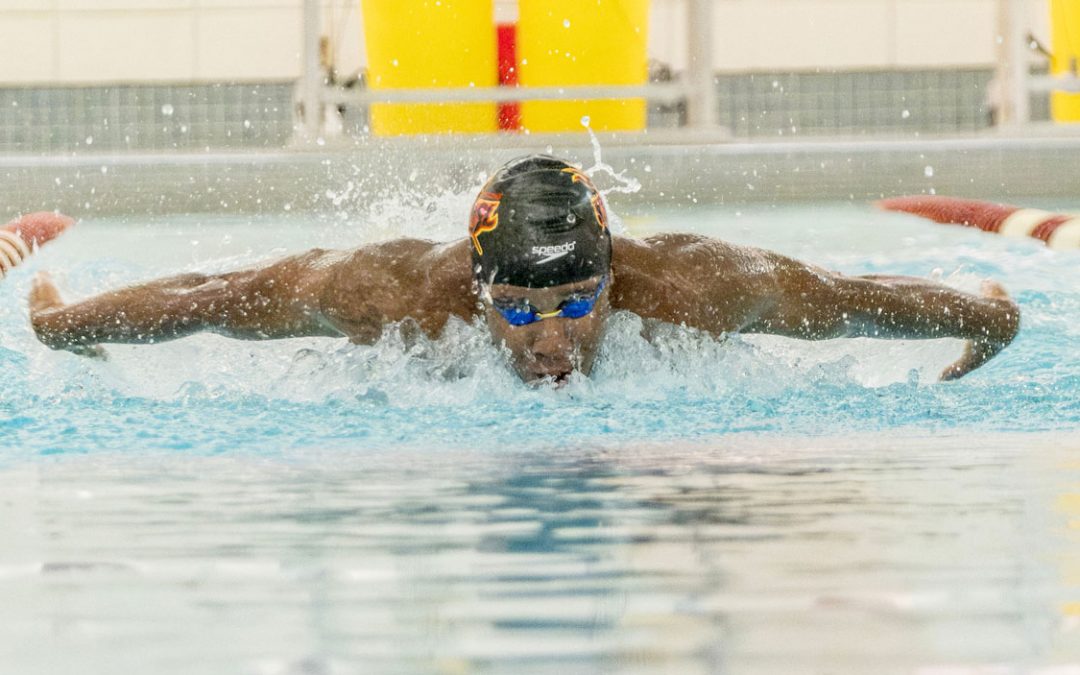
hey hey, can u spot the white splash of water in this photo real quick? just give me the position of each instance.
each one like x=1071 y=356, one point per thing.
x=440 y=217
x=622 y=183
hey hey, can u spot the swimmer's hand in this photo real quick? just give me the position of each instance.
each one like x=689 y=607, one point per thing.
x=1003 y=329
x=44 y=297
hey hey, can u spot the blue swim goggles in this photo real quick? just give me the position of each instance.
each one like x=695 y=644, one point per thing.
x=521 y=313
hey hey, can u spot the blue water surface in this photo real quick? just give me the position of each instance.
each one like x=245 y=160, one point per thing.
x=210 y=395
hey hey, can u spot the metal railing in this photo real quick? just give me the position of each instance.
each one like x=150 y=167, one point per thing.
x=697 y=88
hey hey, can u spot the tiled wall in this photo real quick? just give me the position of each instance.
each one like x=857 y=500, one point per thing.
x=786 y=105
x=229 y=116
x=145 y=117
x=106 y=41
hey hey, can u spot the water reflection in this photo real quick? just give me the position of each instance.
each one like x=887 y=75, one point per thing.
x=741 y=555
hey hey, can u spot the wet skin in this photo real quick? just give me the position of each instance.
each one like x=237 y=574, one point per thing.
x=680 y=279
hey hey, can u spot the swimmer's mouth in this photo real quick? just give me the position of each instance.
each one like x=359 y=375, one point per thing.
x=558 y=379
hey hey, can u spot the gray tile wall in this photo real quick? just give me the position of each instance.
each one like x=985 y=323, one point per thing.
x=777 y=105
x=55 y=120
x=817 y=103
x=145 y=117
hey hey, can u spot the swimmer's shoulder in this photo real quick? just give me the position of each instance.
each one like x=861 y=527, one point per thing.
x=422 y=271
x=407 y=256
x=676 y=252
x=391 y=281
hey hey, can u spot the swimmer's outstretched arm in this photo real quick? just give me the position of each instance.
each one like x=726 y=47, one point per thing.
x=278 y=300
x=814 y=304
x=720 y=288
x=351 y=294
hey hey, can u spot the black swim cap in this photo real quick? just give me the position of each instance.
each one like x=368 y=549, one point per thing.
x=539 y=222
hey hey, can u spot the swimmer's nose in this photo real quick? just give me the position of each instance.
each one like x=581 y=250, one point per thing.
x=552 y=348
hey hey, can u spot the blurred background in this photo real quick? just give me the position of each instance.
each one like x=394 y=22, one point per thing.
x=85 y=78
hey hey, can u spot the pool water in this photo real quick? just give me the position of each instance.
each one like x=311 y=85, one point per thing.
x=752 y=504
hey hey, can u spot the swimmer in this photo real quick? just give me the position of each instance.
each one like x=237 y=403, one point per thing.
x=540 y=267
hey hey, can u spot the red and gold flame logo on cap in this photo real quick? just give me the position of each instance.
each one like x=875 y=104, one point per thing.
x=578 y=176
x=485 y=217
x=599 y=209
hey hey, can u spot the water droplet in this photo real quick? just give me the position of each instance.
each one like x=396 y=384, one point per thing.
x=89 y=140
x=585 y=121
x=906 y=114
x=167 y=110
x=566 y=23
x=928 y=172
x=571 y=218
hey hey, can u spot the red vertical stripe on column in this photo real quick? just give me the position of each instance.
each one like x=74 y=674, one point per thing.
x=509 y=113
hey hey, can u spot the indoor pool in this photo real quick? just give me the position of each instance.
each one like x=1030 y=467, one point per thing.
x=752 y=504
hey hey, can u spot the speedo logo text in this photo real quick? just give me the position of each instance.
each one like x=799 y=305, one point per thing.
x=549 y=253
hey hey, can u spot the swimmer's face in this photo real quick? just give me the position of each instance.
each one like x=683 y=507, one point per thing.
x=553 y=347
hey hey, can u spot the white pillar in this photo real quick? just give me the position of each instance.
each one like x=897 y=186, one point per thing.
x=702 y=112
x=1013 y=91
x=313 y=81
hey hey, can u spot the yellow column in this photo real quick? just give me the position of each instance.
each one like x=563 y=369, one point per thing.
x=1065 y=41
x=582 y=42
x=422 y=44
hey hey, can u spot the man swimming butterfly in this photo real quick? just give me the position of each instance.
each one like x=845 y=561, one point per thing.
x=541 y=268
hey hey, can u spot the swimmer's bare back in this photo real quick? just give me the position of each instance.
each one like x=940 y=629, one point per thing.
x=681 y=279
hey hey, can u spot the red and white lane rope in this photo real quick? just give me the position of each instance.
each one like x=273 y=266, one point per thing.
x=1057 y=230
x=19 y=237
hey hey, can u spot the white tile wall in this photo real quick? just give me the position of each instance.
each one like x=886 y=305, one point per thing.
x=27 y=47
x=251 y=4
x=84 y=41
x=128 y=5
x=946 y=32
x=124 y=46
x=243 y=44
x=80 y=41
x=779 y=34
x=27 y=5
